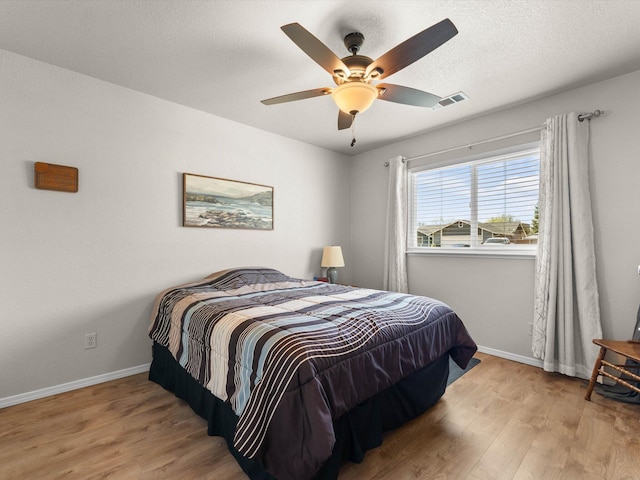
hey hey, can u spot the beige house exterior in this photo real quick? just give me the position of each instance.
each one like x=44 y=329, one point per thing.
x=458 y=233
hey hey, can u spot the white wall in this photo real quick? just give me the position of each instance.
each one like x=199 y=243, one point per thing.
x=72 y=263
x=496 y=308
x=93 y=261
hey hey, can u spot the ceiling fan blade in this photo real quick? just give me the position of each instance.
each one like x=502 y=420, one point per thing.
x=317 y=50
x=413 y=49
x=407 y=96
x=292 y=97
x=344 y=120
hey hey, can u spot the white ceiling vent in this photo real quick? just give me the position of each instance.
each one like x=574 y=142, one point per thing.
x=450 y=100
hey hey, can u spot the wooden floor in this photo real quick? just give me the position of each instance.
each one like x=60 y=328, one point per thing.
x=501 y=420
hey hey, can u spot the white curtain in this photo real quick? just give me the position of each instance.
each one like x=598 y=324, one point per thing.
x=395 y=262
x=566 y=309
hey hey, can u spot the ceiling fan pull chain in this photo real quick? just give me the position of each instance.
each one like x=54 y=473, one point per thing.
x=353 y=130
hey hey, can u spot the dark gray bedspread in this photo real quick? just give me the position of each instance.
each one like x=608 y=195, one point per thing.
x=291 y=355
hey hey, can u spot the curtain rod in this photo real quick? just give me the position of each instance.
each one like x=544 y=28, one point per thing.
x=588 y=116
x=581 y=118
x=469 y=145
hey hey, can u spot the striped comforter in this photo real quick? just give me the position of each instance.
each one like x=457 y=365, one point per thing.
x=291 y=355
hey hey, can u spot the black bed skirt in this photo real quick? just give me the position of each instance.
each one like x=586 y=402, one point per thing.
x=356 y=431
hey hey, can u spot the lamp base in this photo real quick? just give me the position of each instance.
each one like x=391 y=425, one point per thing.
x=332 y=274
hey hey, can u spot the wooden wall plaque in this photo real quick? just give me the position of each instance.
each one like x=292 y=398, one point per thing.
x=56 y=177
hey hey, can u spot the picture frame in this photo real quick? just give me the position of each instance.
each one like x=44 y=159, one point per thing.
x=214 y=202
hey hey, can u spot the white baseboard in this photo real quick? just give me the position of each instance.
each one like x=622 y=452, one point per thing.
x=535 y=362
x=76 y=384
x=106 y=377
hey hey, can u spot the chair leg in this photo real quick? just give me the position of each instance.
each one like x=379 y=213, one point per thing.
x=594 y=374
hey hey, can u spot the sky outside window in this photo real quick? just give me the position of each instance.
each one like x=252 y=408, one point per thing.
x=507 y=189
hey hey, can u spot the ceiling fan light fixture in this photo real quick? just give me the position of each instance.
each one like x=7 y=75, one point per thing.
x=354 y=97
x=376 y=72
x=341 y=74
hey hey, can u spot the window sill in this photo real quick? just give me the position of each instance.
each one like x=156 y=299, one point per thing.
x=490 y=252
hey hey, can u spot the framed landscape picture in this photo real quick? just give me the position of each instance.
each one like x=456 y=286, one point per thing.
x=221 y=203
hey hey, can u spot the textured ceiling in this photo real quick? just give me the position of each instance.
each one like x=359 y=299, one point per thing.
x=223 y=57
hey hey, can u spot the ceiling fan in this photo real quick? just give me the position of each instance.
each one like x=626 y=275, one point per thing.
x=356 y=76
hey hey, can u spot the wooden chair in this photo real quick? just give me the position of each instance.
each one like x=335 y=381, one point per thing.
x=627 y=348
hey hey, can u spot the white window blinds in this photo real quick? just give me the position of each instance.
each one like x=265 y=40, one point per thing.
x=492 y=201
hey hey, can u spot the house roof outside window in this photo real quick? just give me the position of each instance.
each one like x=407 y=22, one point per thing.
x=511 y=230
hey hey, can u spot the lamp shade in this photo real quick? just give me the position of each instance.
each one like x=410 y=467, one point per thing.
x=354 y=97
x=332 y=257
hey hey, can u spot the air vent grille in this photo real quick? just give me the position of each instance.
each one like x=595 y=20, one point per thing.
x=450 y=100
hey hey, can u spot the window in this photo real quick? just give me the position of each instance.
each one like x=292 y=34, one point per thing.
x=489 y=204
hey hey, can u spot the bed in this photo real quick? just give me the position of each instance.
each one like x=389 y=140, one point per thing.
x=299 y=376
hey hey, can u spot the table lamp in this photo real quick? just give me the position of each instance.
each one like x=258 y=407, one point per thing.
x=332 y=258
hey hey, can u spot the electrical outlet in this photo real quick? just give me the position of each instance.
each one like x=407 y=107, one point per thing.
x=90 y=340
